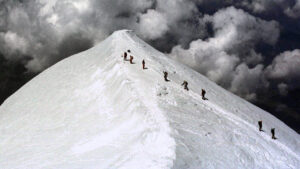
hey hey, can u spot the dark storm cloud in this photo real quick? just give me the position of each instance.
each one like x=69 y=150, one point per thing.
x=290 y=8
x=13 y=75
x=227 y=56
x=38 y=28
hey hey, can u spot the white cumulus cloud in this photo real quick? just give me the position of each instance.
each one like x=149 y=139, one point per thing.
x=153 y=24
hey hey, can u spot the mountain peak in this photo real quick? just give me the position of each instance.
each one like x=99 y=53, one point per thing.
x=122 y=32
x=97 y=110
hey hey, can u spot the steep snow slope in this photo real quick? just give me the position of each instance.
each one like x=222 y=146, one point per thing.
x=94 y=110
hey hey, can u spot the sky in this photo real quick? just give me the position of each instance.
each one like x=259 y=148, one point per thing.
x=249 y=47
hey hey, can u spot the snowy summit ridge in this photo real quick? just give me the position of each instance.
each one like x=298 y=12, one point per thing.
x=95 y=110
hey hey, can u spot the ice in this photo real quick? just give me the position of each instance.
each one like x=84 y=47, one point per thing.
x=95 y=110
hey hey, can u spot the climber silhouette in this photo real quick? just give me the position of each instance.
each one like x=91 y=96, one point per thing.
x=203 y=94
x=273 y=133
x=143 y=63
x=260 y=125
x=185 y=84
x=166 y=76
x=125 y=56
x=131 y=59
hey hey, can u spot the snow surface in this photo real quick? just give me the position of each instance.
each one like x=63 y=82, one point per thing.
x=94 y=110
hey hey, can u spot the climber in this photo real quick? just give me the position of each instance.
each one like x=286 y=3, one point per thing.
x=166 y=76
x=125 y=56
x=260 y=125
x=203 y=94
x=131 y=58
x=185 y=84
x=143 y=63
x=273 y=133
x=128 y=51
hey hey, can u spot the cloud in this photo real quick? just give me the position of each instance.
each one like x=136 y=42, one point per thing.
x=225 y=58
x=222 y=45
x=153 y=24
x=290 y=8
x=247 y=81
x=270 y=8
x=207 y=59
x=285 y=66
x=167 y=13
x=283 y=89
x=41 y=26
x=294 y=11
x=235 y=28
x=13 y=44
x=264 y=5
x=176 y=9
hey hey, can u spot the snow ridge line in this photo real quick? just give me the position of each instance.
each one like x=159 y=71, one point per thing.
x=160 y=121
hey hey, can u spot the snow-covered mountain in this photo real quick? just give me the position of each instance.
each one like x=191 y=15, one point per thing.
x=95 y=110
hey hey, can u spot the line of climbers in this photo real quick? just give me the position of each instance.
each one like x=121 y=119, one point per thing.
x=272 y=130
x=185 y=85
